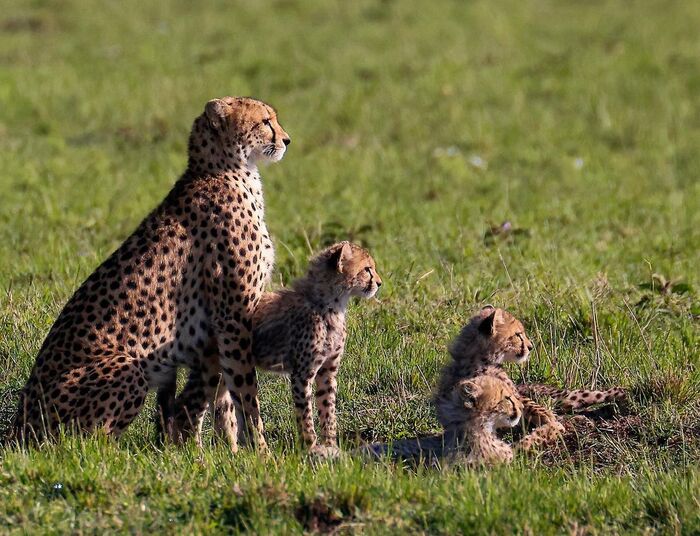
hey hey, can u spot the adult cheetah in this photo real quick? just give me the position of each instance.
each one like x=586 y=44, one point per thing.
x=187 y=279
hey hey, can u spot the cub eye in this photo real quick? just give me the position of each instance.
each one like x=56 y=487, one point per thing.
x=368 y=270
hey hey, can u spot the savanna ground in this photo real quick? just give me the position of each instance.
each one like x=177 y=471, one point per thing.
x=416 y=127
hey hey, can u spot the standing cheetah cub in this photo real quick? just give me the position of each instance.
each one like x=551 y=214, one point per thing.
x=473 y=411
x=188 y=278
x=491 y=338
x=300 y=332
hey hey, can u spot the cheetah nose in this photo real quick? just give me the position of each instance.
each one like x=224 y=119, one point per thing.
x=286 y=141
x=379 y=284
x=530 y=347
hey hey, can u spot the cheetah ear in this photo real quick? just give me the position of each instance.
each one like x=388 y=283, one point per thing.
x=217 y=112
x=486 y=327
x=340 y=256
x=468 y=391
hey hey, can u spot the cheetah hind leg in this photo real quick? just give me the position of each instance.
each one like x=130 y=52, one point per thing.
x=189 y=409
x=111 y=394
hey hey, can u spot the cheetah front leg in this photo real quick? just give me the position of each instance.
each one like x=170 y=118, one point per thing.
x=546 y=434
x=204 y=389
x=326 y=392
x=304 y=371
x=241 y=379
x=214 y=393
x=190 y=407
x=548 y=429
x=165 y=411
x=535 y=413
x=301 y=394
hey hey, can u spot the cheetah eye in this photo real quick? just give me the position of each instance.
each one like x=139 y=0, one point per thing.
x=368 y=270
x=267 y=122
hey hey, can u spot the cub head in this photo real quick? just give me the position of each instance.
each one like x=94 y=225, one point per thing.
x=250 y=124
x=490 y=399
x=494 y=333
x=345 y=269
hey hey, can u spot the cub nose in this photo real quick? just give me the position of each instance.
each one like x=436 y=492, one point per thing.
x=286 y=141
x=530 y=346
x=379 y=283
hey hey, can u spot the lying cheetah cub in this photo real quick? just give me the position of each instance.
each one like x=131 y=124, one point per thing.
x=300 y=332
x=491 y=338
x=473 y=410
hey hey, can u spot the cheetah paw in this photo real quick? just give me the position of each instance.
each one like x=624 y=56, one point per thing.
x=325 y=452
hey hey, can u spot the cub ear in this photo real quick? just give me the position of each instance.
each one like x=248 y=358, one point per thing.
x=217 y=112
x=340 y=256
x=468 y=392
x=486 y=326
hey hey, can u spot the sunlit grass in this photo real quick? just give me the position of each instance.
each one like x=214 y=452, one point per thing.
x=419 y=130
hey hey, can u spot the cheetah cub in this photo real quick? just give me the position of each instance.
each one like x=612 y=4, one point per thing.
x=472 y=412
x=491 y=338
x=298 y=331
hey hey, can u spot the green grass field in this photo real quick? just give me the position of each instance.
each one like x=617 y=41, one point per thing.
x=416 y=127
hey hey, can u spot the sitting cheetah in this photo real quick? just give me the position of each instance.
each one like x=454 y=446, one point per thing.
x=489 y=339
x=300 y=332
x=471 y=412
x=187 y=279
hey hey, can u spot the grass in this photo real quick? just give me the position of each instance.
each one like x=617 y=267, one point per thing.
x=416 y=128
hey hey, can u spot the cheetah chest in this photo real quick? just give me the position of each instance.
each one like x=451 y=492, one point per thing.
x=267 y=254
x=267 y=251
x=335 y=338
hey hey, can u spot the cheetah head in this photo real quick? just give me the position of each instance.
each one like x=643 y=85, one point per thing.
x=490 y=399
x=250 y=124
x=494 y=332
x=347 y=270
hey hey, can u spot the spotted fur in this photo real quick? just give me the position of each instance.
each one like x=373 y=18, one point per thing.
x=566 y=400
x=573 y=399
x=490 y=339
x=477 y=407
x=187 y=279
x=300 y=332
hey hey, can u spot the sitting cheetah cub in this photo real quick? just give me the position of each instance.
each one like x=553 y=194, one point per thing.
x=472 y=412
x=300 y=332
x=491 y=338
